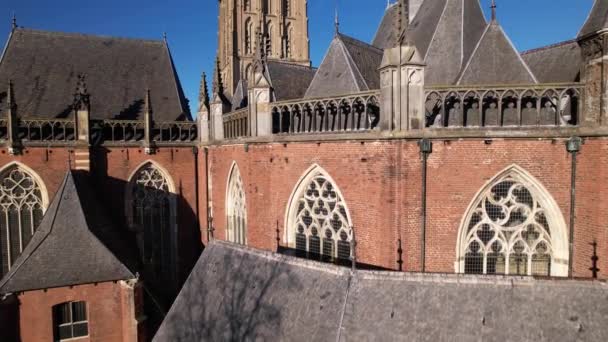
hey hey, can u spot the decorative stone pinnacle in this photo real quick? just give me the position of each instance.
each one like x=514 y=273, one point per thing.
x=493 y=7
x=81 y=96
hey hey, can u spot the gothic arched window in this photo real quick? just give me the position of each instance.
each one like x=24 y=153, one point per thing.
x=514 y=227
x=318 y=221
x=152 y=215
x=248 y=36
x=236 y=208
x=22 y=208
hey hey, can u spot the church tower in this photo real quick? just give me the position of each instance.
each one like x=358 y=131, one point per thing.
x=283 y=25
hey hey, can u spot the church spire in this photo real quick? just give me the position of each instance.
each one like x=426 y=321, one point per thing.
x=337 y=21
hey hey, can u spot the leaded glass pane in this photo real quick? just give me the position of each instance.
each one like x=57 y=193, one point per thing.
x=21 y=211
x=320 y=215
x=151 y=215
x=508 y=232
x=236 y=209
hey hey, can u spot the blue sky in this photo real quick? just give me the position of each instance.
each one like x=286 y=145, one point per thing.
x=191 y=25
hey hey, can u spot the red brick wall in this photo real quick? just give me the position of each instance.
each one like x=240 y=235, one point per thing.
x=591 y=207
x=112 y=169
x=381 y=184
x=110 y=310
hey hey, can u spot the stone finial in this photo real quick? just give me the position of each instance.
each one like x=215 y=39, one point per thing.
x=14 y=22
x=203 y=94
x=217 y=86
x=493 y=7
x=148 y=144
x=14 y=145
x=403 y=23
x=81 y=95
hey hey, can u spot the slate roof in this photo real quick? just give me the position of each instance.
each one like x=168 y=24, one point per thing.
x=349 y=66
x=74 y=244
x=238 y=294
x=496 y=61
x=44 y=67
x=597 y=20
x=555 y=63
x=289 y=81
x=239 y=100
x=445 y=32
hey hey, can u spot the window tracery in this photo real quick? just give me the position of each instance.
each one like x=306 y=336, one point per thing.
x=236 y=209
x=21 y=211
x=509 y=231
x=320 y=222
x=152 y=212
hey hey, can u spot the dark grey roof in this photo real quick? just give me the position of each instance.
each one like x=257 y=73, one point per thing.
x=44 y=67
x=555 y=63
x=74 y=244
x=597 y=20
x=386 y=33
x=237 y=294
x=239 y=100
x=289 y=81
x=496 y=61
x=349 y=66
x=445 y=32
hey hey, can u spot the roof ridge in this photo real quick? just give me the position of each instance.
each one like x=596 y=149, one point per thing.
x=291 y=64
x=357 y=41
x=550 y=46
x=13 y=271
x=86 y=35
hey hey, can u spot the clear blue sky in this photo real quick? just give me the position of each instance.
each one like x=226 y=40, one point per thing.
x=191 y=25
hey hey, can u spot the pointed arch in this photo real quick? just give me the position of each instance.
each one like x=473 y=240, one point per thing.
x=151 y=208
x=236 y=207
x=513 y=226
x=318 y=222
x=23 y=201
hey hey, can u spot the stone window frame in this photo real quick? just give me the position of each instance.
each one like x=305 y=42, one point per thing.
x=173 y=208
x=44 y=198
x=558 y=228
x=291 y=212
x=234 y=185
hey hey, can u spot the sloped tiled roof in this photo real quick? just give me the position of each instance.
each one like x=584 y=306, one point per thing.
x=74 y=244
x=555 y=63
x=445 y=32
x=235 y=293
x=289 y=81
x=496 y=61
x=44 y=67
x=597 y=20
x=349 y=66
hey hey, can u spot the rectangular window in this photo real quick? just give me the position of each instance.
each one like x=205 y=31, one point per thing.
x=70 y=320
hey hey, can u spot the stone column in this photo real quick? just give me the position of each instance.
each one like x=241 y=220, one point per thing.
x=218 y=107
x=594 y=75
x=260 y=114
x=402 y=89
